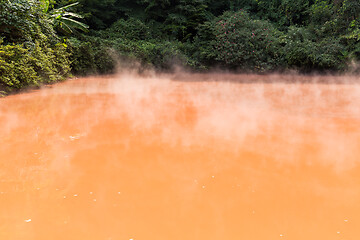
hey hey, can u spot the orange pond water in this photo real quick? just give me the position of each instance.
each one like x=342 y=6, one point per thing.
x=182 y=157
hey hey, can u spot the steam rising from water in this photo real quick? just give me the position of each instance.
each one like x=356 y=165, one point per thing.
x=184 y=156
x=224 y=109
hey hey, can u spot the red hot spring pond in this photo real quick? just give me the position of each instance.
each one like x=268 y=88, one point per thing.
x=184 y=156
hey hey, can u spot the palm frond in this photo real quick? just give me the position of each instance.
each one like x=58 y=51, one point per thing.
x=74 y=24
x=70 y=14
x=65 y=21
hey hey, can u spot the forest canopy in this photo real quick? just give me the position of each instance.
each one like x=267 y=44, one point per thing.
x=47 y=40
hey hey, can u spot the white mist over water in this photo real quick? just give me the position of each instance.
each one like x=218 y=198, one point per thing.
x=194 y=156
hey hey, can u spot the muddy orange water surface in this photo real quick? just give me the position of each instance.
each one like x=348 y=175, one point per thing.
x=186 y=156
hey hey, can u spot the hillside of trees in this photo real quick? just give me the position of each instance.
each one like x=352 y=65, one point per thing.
x=43 y=41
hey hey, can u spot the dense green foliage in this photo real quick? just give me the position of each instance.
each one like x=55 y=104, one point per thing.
x=255 y=35
x=246 y=43
x=31 y=53
x=42 y=39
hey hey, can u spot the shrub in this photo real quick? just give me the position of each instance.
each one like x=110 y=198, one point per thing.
x=132 y=29
x=244 y=43
x=321 y=12
x=95 y=54
x=23 y=21
x=305 y=52
x=21 y=67
x=201 y=49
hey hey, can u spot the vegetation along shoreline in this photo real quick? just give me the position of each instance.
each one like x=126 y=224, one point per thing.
x=46 y=41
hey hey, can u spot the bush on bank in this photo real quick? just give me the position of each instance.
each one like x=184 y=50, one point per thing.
x=131 y=39
x=245 y=43
x=21 y=67
x=30 y=51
